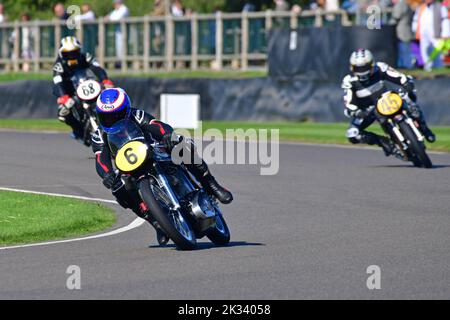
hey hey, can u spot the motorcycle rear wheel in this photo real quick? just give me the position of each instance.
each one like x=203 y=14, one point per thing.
x=220 y=235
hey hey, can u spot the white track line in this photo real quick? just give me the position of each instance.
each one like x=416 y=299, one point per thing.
x=135 y=224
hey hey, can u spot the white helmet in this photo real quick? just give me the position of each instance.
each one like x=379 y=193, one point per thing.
x=70 y=50
x=362 y=64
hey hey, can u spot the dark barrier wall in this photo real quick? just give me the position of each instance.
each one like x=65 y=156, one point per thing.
x=322 y=54
x=261 y=99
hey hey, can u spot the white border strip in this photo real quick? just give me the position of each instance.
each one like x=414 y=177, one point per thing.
x=135 y=224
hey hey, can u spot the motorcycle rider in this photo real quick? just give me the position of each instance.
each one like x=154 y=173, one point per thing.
x=71 y=59
x=114 y=105
x=363 y=87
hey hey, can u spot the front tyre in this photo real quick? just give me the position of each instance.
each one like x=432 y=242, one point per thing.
x=220 y=234
x=172 y=222
x=419 y=154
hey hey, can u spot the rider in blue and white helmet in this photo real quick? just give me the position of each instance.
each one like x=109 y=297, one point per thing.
x=114 y=105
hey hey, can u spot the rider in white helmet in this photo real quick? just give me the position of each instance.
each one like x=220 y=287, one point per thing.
x=363 y=87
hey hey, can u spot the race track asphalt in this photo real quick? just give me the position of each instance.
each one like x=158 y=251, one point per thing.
x=309 y=232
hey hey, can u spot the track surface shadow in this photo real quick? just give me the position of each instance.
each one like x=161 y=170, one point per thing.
x=409 y=166
x=209 y=245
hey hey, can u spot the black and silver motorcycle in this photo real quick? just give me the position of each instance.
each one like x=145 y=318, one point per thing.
x=178 y=203
x=391 y=112
x=87 y=90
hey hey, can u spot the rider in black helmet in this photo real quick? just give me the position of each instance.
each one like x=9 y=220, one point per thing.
x=71 y=59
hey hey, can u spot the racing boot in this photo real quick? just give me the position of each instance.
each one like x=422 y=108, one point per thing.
x=426 y=131
x=387 y=146
x=417 y=115
x=371 y=139
x=212 y=187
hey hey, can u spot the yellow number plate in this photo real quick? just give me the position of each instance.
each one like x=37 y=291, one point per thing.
x=389 y=104
x=131 y=156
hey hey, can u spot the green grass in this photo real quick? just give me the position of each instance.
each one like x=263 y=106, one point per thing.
x=34 y=125
x=330 y=133
x=28 y=218
x=199 y=74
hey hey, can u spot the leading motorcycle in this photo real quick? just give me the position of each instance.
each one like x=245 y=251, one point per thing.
x=178 y=203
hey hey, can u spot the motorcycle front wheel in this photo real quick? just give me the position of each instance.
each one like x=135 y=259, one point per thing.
x=419 y=154
x=172 y=222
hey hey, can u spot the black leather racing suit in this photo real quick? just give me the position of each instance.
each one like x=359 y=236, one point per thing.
x=154 y=131
x=360 y=96
x=64 y=90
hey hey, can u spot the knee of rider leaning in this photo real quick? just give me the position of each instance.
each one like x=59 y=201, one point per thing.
x=353 y=135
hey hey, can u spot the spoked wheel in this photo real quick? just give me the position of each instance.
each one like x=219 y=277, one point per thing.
x=220 y=235
x=172 y=222
x=418 y=153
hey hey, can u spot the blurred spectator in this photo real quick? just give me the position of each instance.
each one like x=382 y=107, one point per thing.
x=2 y=13
x=248 y=7
x=415 y=44
x=430 y=23
x=60 y=11
x=89 y=30
x=159 y=8
x=402 y=17
x=281 y=5
x=331 y=5
x=181 y=28
x=351 y=6
x=177 y=9
x=119 y=13
x=297 y=9
x=326 y=5
x=86 y=13
x=27 y=39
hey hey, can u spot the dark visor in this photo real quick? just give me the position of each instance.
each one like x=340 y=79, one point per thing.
x=361 y=69
x=107 y=120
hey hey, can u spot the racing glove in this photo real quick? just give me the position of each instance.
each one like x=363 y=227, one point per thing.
x=169 y=141
x=66 y=101
x=110 y=179
x=362 y=114
x=108 y=84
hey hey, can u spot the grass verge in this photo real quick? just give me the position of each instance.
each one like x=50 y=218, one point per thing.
x=330 y=133
x=200 y=74
x=29 y=218
x=197 y=74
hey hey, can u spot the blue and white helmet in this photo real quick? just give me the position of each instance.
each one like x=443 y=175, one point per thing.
x=113 y=105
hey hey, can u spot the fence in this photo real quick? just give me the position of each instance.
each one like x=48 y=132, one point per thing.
x=145 y=44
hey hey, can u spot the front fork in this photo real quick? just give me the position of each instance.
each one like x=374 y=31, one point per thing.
x=92 y=119
x=163 y=183
x=390 y=126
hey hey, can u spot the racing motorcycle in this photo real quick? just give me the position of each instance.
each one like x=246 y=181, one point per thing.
x=175 y=199
x=391 y=112
x=87 y=90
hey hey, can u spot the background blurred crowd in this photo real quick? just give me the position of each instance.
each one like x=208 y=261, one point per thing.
x=420 y=24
